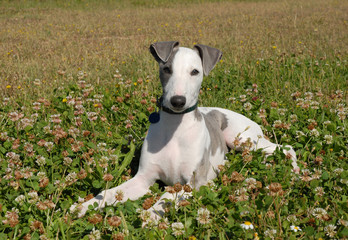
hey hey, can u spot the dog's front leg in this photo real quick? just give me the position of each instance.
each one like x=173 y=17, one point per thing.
x=167 y=200
x=132 y=189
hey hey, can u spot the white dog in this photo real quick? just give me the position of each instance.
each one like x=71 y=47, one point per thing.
x=185 y=143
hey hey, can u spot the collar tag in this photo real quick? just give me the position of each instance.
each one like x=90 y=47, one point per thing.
x=154 y=117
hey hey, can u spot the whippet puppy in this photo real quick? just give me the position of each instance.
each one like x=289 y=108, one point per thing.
x=185 y=143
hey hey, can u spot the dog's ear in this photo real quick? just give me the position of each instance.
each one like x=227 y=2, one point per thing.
x=210 y=56
x=161 y=51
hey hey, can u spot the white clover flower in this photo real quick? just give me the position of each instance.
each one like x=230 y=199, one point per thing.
x=34 y=197
x=299 y=101
x=41 y=161
x=341 y=108
x=20 y=199
x=262 y=113
x=43 y=237
x=299 y=134
x=247 y=225
x=319 y=213
x=149 y=223
x=113 y=158
x=71 y=178
x=268 y=166
x=328 y=139
x=178 y=229
x=314 y=104
x=295 y=228
x=244 y=213
x=67 y=161
x=330 y=230
x=271 y=233
x=251 y=183
x=49 y=145
x=34 y=116
x=211 y=184
x=343 y=222
x=314 y=132
x=292 y=218
x=25 y=122
x=41 y=175
x=37 y=82
x=308 y=95
x=101 y=146
x=74 y=132
x=247 y=106
x=277 y=123
x=94 y=235
x=92 y=116
x=338 y=171
x=319 y=191
x=282 y=111
x=103 y=162
x=114 y=108
x=316 y=174
x=143 y=214
x=341 y=115
x=232 y=99
x=327 y=123
x=125 y=232
x=47 y=129
x=242 y=98
x=344 y=181
x=293 y=118
x=203 y=216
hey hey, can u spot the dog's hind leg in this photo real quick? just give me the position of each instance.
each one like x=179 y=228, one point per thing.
x=241 y=129
x=269 y=148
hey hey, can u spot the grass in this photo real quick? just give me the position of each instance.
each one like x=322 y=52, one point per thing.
x=65 y=63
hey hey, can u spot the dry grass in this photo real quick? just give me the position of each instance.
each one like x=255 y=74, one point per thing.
x=38 y=41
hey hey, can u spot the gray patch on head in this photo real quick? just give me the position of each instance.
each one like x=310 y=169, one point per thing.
x=164 y=77
x=216 y=122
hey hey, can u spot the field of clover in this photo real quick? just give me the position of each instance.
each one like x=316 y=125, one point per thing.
x=55 y=152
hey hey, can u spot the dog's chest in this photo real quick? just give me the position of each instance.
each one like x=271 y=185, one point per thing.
x=176 y=154
x=178 y=162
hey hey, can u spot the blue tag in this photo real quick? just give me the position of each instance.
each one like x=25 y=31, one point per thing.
x=154 y=117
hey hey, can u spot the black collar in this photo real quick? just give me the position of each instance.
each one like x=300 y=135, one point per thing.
x=168 y=110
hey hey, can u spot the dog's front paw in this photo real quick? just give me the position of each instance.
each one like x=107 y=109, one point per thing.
x=296 y=170
x=78 y=209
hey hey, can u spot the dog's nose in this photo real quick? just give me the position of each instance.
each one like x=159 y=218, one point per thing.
x=178 y=101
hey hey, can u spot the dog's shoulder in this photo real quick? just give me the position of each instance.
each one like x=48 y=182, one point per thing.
x=215 y=117
x=215 y=122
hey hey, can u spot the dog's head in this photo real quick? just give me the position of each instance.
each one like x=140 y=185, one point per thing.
x=181 y=72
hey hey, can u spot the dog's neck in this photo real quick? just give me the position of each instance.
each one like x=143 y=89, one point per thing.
x=189 y=119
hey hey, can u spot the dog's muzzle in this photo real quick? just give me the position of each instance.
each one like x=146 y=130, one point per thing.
x=178 y=102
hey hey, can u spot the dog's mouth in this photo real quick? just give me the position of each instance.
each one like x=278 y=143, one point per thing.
x=172 y=109
x=175 y=105
x=178 y=110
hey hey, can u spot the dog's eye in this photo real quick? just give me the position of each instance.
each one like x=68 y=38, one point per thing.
x=194 y=72
x=167 y=70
